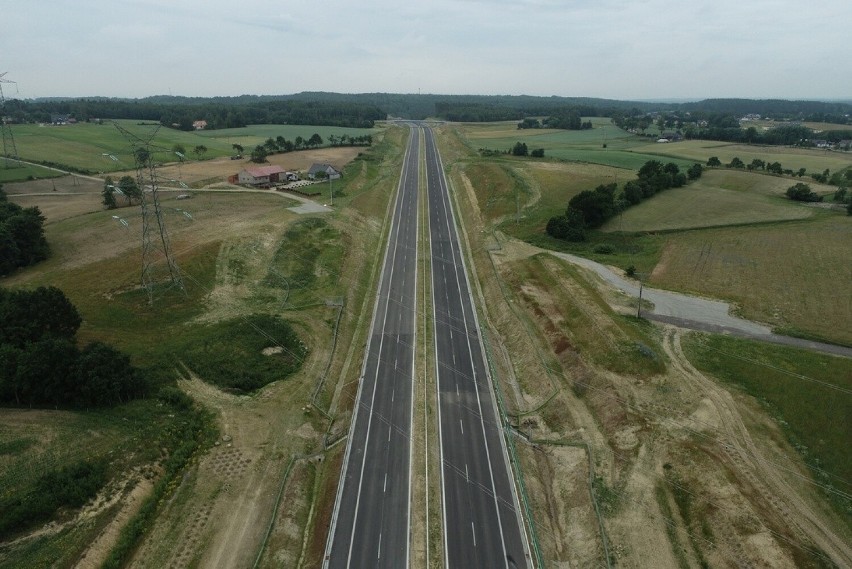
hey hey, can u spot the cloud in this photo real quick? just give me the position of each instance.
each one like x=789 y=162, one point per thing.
x=610 y=48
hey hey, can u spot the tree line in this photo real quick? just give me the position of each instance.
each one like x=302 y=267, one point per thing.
x=592 y=208
x=22 y=241
x=40 y=363
x=182 y=115
x=281 y=145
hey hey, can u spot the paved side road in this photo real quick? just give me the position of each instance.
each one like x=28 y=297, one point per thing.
x=698 y=313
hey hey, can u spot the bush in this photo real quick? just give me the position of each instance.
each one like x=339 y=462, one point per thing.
x=66 y=487
x=801 y=192
x=604 y=249
x=231 y=355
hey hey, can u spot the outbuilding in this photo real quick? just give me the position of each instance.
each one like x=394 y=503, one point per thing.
x=261 y=175
x=326 y=169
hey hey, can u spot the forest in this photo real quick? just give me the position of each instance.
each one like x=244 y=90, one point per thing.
x=362 y=109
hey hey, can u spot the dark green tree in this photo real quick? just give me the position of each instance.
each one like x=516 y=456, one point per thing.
x=199 y=151
x=802 y=193
x=520 y=149
x=238 y=148
x=714 y=162
x=694 y=172
x=27 y=316
x=258 y=155
x=130 y=189
x=736 y=163
x=594 y=206
x=315 y=140
x=22 y=241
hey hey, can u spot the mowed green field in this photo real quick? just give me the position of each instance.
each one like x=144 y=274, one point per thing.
x=16 y=172
x=84 y=145
x=812 y=160
x=252 y=135
x=720 y=197
x=792 y=275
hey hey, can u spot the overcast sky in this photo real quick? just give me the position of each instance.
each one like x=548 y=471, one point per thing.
x=620 y=49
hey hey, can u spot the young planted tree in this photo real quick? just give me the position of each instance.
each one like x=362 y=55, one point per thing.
x=199 y=151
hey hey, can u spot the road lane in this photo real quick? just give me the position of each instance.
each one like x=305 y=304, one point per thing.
x=482 y=526
x=371 y=520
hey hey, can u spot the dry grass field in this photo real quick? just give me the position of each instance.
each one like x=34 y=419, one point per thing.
x=793 y=275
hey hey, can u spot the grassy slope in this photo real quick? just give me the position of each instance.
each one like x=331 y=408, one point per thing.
x=720 y=197
x=798 y=389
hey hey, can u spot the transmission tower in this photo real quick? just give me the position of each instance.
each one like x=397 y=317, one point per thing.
x=10 y=151
x=155 y=238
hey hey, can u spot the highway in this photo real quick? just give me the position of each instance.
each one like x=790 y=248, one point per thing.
x=482 y=525
x=371 y=520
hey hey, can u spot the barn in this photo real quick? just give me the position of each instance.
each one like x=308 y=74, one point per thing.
x=261 y=175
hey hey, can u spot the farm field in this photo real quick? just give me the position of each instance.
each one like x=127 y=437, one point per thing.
x=792 y=276
x=816 y=126
x=580 y=145
x=252 y=135
x=24 y=172
x=720 y=197
x=812 y=160
x=796 y=247
x=86 y=146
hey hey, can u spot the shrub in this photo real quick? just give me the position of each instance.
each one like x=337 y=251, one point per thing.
x=604 y=249
x=801 y=192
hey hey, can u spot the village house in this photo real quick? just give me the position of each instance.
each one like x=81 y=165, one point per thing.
x=327 y=169
x=261 y=175
x=199 y=125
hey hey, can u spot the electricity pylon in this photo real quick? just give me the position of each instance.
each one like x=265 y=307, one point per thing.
x=10 y=151
x=155 y=238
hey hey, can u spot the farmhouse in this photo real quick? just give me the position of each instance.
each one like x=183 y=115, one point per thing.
x=199 y=125
x=327 y=169
x=261 y=175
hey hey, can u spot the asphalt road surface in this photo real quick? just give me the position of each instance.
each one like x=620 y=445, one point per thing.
x=482 y=526
x=370 y=525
